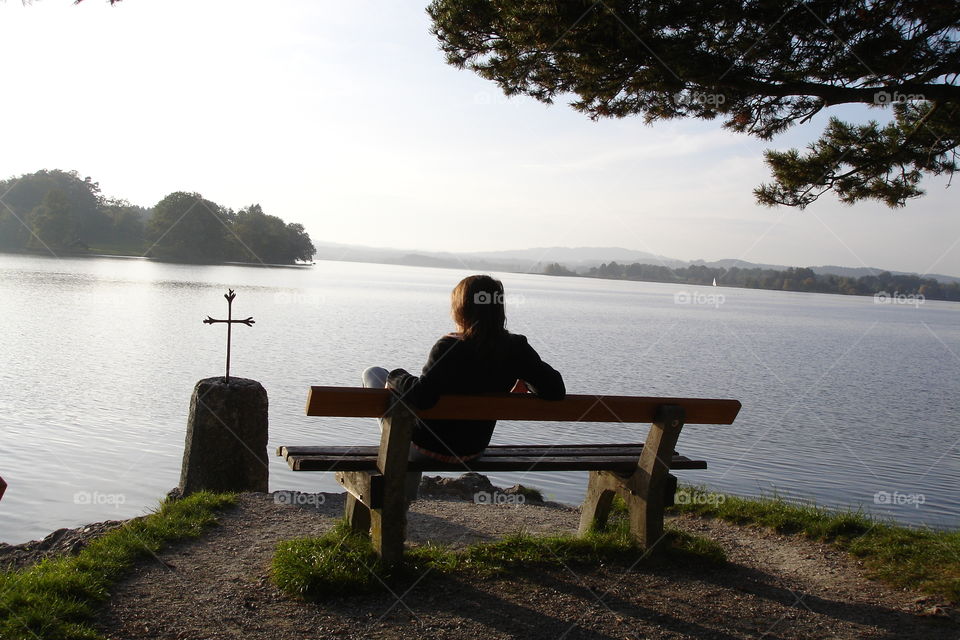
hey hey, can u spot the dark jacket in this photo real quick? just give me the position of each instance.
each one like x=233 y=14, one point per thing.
x=458 y=366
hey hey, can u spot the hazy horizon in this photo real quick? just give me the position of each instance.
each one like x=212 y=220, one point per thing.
x=652 y=260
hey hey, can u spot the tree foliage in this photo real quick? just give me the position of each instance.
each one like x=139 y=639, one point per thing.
x=189 y=228
x=127 y=220
x=54 y=210
x=760 y=66
x=53 y=223
x=186 y=227
x=24 y=201
x=892 y=287
x=268 y=239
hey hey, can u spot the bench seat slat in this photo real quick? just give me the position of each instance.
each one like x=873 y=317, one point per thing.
x=624 y=464
x=495 y=450
x=372 y=403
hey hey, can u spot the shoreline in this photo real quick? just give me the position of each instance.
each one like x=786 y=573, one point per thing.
x=125 y=256
x=63 y=537
x=799 y=503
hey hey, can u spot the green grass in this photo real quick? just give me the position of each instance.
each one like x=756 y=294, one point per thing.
x=922 y=559
x=57 y=598
x=342 y=563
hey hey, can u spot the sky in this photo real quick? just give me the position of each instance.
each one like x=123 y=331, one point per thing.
x=343 y=116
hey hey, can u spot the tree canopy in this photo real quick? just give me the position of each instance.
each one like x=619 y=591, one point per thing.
x=53 y=210
x=55 y=206
x=760 y=66
x=187 y=227
x=267 y=238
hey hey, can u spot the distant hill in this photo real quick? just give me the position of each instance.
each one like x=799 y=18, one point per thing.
x=578 y=259
x=729 y=263
x=857 y=272
x=516 y=260
x=573 y=257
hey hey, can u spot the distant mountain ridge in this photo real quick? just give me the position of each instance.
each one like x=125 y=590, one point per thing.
x=578 y=259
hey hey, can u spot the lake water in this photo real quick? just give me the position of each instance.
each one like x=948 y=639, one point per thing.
x=842 y=398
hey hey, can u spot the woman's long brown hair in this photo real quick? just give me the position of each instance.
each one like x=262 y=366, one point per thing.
x=477 y=306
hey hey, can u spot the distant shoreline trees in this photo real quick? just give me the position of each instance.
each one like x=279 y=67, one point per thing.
x=791 y=279
x=61 y=212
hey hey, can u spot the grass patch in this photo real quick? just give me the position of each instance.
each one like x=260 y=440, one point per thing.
x=338 y=561
x=343 y=563
x=55 y=599
x=922 y=559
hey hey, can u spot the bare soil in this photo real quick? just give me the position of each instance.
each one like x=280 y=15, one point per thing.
x=772 y=586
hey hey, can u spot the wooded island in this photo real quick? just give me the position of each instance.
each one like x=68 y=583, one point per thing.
x=60 y=212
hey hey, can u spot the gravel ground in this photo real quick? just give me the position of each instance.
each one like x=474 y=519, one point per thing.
x=773 y=586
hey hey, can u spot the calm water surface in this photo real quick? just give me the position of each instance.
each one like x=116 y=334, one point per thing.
x=842 y=398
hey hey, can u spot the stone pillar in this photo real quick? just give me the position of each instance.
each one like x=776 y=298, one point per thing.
x=226 y=447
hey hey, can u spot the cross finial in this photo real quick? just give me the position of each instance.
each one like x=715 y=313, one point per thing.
x=230 y=295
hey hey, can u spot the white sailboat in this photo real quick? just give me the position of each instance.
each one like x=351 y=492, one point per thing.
x=714 y=282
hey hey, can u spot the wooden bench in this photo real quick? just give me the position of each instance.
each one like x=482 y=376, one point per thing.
x=374 y=477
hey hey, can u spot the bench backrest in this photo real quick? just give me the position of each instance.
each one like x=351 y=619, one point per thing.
x=372 y=403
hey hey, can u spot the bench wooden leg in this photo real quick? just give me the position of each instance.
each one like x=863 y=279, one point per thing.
x=388 y=527
x=364 y=491
x=648 y=487
x=388 y=522
x=670 y=491
x=647 y=492
x=597 y=503
x=358 y=515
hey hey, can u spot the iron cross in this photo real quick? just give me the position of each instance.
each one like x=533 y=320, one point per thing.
x=229 y=322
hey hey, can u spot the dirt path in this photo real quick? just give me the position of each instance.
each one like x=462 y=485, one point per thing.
x=772 y=587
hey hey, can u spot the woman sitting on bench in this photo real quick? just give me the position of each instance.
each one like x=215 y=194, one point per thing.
x=482 y=357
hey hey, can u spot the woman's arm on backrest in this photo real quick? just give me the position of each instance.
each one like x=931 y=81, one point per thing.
x=542 y=379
